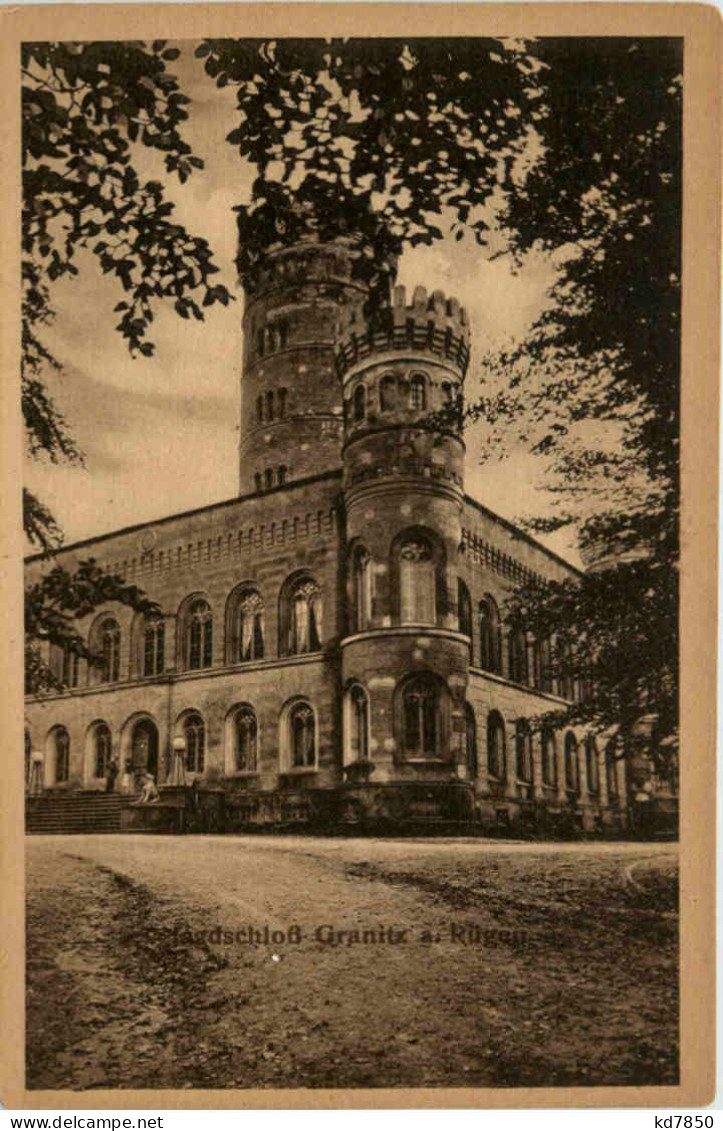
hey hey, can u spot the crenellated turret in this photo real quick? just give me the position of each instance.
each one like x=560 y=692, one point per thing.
x=402 y=375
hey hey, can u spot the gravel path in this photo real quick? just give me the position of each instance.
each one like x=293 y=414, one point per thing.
x=484 y=963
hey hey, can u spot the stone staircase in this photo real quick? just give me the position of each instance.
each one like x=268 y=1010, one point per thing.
x=82 y=811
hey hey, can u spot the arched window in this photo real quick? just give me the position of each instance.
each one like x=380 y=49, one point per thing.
x=270 y=405
x=423 y=730
x=199 y=636
x=258 y=481
x=61 y=743
x=489 y=636
x=281 y=396
x=592 y=771
x=523 y=751
x=470 y=733
x=418 y=393
x=154 y=646
x=549 y=759
x=464 y=611
x=541 y=674
x=71 y=667
x=572 y=764
x=283 y=334
x=281 y=475
x=611 y=770
x=417 y=582
x=388 y=393
x=194 y=732
x=362 y=579
x=358 y=723
x=245 y=730
x=565 y=681
x=250 y=627
x=496 y=755
x=359 y=403
x=302 y=736
x=518 y=655
x=109 y=635
x=269 y=478
x=304 y=617
x=260 y=408
x=102 y=744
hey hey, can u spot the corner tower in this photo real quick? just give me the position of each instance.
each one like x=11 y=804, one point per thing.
x=403 y=463
x=291 y=408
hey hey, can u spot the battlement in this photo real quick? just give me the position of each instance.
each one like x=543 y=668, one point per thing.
x=431 y=323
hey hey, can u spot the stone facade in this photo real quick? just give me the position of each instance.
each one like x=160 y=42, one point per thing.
x=330 y=650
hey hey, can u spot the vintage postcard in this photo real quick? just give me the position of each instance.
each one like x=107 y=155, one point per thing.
x=361 y=381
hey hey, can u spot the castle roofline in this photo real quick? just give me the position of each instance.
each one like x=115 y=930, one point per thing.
x=523 y=535
x=333 y=474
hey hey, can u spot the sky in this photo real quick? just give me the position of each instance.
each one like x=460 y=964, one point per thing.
x=160 y=434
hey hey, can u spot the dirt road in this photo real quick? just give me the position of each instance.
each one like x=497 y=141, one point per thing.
x=212 y=962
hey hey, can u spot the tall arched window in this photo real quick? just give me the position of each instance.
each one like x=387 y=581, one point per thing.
x=496 y=755
x=61 y=743
x=358 y=723
x=359 y=404
x=250 y=627
x=194 y=732
x=417 y=582
x=245 y=740
x=102 y=744
x=418 y=393
x=549 y=759
x=71 y=667
x=154 y=646
x=565 y=680
x=464 y=611
x=490 y=644
x=281 y=474
x=199 y=636
x=572 y=764
x=523 y=751
x=388 y=393
x=270 y=405
x=302 y=736
x=269 y=478
x=281 y=397
x=362 y=579
x=304 y=615
x=518 y=655
x=611 y=770
x=592 y=771
x=110 y=642
x=470 y=734
x=542 y=677
x=422 y=718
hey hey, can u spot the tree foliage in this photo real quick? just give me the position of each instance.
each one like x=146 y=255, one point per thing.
x=84 y=108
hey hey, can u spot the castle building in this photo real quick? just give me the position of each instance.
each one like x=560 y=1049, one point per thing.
x=332 y=650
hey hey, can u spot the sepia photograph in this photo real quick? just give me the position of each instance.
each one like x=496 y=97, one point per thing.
x=351 y=396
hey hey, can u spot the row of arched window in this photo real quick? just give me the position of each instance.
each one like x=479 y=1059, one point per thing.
x=298 y=743
x=271 y=406
x=529 y=661
x=398 y=392
x=271 y=477
x=300 y=632
x=422 y=722
x=499 y=770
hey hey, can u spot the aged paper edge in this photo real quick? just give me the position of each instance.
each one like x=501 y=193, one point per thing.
x=700 y=26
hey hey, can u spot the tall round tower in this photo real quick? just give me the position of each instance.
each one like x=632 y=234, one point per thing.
x=404 y=660
x=291 y=409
